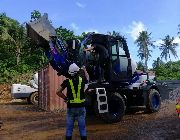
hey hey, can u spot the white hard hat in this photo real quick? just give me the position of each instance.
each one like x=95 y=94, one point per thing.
x=73 y=69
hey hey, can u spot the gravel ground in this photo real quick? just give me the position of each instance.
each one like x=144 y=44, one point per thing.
x=26 y=122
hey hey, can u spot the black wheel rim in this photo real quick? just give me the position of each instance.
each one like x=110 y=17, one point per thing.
x=115 y=107
x=155 y=101
x=36 y=98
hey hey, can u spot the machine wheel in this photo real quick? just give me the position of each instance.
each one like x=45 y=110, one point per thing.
x=116 y=109
x=153 y=101
x=34 y=98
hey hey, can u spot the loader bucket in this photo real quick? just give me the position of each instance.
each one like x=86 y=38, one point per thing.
x=40 y=31
x=44 y=35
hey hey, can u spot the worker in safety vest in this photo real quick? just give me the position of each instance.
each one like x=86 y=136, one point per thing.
x=178 y=108
x=75 y=99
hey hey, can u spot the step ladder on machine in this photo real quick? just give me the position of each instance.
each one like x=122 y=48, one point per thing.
x=102 y=100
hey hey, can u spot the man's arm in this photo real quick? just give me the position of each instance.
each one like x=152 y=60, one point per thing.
x=86 y=73
x=60 y=94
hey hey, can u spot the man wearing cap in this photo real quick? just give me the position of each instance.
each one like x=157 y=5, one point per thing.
x=75 y=100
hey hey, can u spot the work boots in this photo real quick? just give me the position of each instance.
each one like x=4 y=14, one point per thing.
x=68 y=137
x=83 y=137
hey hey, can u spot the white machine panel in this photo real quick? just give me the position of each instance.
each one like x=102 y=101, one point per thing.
x=99 y=95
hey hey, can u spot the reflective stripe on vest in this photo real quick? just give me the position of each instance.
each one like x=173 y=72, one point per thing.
x=77 y=98
x=178 y=106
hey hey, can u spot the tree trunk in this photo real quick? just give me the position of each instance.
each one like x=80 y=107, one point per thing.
x=158 y=62
x=145 y=65
x=169 y=57
x=146 y=59
x=170 y=61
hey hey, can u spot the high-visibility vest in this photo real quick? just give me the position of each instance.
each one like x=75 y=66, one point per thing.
x=77 y=98
x=178 y=109
x=178 y=106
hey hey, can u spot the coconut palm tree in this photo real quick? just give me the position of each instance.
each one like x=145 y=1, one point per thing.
x=144 y=41
x=168 y=47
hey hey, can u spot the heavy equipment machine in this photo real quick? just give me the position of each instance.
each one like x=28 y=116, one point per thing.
x=123 y=87
x=29 y=92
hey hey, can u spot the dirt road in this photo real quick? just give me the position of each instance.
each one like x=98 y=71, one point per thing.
x=26 y=122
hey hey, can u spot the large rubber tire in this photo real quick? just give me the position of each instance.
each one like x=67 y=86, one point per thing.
x=34 y=98
x=116 y=109
x=153 y=101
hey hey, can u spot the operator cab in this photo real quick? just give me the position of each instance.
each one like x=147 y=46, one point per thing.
x=118 y=67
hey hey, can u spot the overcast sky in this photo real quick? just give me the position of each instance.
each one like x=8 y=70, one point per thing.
x=161 y=17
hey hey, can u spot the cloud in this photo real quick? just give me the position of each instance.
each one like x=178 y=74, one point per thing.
x=81 y=5
x=135 y=28
x=74 y=26
x=92 y=30
x=176 y=40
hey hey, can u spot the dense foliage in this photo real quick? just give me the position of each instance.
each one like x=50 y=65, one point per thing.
x=18 y=54
x=168 y=71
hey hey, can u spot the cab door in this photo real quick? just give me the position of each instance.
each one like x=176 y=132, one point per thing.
x=119 y=63
x=115 y=62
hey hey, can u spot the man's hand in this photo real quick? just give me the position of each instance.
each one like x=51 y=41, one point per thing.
x=83 y=67
x=90 y=90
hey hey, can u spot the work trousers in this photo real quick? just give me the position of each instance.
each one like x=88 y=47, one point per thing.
x=72 y=115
